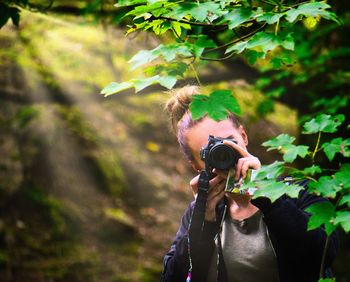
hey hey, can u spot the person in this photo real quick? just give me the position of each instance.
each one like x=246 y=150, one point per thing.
x=243 y=239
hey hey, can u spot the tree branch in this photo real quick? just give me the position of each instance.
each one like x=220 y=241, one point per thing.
x=231 y=43
x=189 y=22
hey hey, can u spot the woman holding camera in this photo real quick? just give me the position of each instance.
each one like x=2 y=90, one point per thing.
x=242 y=239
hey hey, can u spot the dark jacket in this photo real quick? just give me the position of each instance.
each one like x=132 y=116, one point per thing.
x=298 y=251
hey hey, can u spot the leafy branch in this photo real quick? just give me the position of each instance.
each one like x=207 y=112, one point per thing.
x=276 y=45
x=276 y=22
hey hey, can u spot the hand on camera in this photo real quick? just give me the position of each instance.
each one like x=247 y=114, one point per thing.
x=218 y=183
x=247 y=161
x=215 y=194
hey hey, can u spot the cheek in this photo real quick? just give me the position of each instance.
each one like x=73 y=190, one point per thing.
x=240 y=141
x=198 y=163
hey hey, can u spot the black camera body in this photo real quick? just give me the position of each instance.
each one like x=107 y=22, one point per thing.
x=218 y=155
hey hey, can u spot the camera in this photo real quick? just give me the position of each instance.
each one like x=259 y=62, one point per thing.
x=218 y=155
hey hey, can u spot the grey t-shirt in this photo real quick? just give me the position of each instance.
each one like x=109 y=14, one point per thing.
x=247 y=251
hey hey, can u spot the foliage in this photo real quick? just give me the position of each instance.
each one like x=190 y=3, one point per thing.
x=255 y=29
x=272 y=36
x=8 y=12
x=216 y=105
x=324 y=182
x=10 y=9
x=293 y=45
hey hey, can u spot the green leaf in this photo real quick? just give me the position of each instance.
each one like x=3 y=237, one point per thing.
x=198 y=11
x=168 y=81
x=168 y=52
x=217 y=105
x=274 y=190
x=252 y=56
x=271 y=171
x=269 y=17
x=325 y=186
x=263 y=42
x=279 y=142
x=345 y=200
x=201 y=43
x=312 y=170
x=288 y=42
x=141 y=84
x=263 y=82
x=141 y=10
x=122 y=3
x=311 y=10
x=343 y=219
x=343 y=176
x=327 y=280
x=337 y=145
x=172 y=69
x=141 y=58
x=198 y=106
x=177 y=28
x=323 y=123
x=171 y=51
x=308 y=171
x=159 y=26
x=115 y=87
x=321 y=214
x=240 y=15
x=238 y=47
x=292 y=151
x=331 y=105
x=276 y=92
x=176 y=69
x=265 y=107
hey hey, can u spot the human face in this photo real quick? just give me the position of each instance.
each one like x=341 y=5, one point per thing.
x=197 y=136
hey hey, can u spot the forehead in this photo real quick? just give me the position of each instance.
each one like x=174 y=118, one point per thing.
x=197 y=136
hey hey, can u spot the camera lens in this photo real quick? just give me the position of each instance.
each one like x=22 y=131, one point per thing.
x=223 y=156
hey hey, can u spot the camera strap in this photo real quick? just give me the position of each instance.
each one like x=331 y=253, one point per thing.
x=198 y=215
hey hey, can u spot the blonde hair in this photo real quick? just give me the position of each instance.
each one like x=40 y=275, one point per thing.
x=179 y=102
x=177 y=107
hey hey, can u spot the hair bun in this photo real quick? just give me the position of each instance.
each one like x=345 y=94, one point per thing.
x=178 y=104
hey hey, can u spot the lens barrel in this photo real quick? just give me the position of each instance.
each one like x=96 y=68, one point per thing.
x=222 y=156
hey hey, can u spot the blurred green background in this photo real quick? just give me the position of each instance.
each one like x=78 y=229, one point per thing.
x=93 y=188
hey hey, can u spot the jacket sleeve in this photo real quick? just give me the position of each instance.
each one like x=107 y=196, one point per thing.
x=177 y=263
x=287 y=220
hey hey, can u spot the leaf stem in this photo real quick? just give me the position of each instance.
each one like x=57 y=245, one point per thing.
x=230 y=43
x=317 y=144
x=310 y=178
x=298 y=4
x=240 y=38
x=277 y=27
x=195 y=74
x=326 y=246
x=324 y=257
x=177 y=35
x=269 y=3
x=188 y=22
